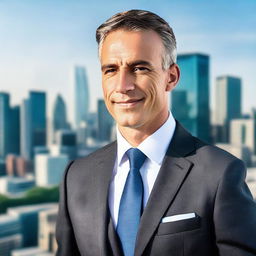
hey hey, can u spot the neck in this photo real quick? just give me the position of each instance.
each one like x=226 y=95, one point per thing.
x=136 y=135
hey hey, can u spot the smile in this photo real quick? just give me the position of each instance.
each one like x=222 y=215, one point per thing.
x=128 y=103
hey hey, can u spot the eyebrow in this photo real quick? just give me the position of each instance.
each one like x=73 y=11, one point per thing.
x=106 y=66
x=131 y=64
x=140 y=62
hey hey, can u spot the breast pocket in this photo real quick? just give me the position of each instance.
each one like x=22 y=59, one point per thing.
x=179 y=226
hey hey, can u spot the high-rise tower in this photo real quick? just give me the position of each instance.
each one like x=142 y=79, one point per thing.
x=81 y=96
x=9 y=127
x=105 y=122
x=190 y=99
x=4 y=123
x=59 y=116
x=33 y=123
x=228 y=104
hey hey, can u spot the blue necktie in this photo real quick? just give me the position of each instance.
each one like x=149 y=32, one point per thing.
x=131 y=203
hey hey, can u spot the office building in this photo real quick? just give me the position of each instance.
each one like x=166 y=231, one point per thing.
x=242 y=132
x=7 y=244
x=2 y=167
x=47 y=223
x=16 y=186
x=190 y=99
x=66 y=138
x=59 y=116
x=38 y=119
x=10 y=234
x=4 y=124
x=81 y=96
x=92 y=126
x=9 y=126
x=105 y=122
x=17 y=166
x=33 y=123
x=23 y=166
x=65 y=144
x=14 y=138
x=28 y=219
x=11 y=166
x=25 y=130
x=228 y=104
x=82 y=134
x=49 y=169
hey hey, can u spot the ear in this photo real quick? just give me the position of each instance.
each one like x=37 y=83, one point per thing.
x=173 y=76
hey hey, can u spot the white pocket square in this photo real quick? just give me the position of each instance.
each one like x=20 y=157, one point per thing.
x=178 y=217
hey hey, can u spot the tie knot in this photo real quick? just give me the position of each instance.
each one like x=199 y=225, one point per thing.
x=136 y=158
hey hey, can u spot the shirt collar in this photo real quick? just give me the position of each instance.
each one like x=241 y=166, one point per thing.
x=151 y=147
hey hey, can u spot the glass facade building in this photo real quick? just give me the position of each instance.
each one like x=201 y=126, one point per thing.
x=14 y=139
x=228 y=104
x=105 y=122
x=190 y=99
x=9 y=127
x=228 y=99
x=33 y=126
x=81 y=96
x=4 y=123
x=10 y=234
x=59 y=116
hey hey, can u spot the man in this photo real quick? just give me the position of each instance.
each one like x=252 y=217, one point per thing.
x=157 y=190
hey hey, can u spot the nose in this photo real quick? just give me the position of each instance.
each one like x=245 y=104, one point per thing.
x=125 y=81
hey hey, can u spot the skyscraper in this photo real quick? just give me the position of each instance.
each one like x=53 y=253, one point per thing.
x=190 y=99
x=33 y=123
x=81 y=96
x=59 y=116
x=4 y=123
x=14 y=140
x=228 y=103
x=105 y=122
x=25 y=131
x=9 y=127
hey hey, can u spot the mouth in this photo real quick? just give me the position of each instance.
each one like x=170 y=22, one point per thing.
x=128 y=103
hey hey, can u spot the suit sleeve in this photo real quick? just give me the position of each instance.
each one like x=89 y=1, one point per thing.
x=235 y=213
x=64 y=231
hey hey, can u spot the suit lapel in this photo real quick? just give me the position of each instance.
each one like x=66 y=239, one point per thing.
x=114 y=239
x=172 y=174
x=102 y=177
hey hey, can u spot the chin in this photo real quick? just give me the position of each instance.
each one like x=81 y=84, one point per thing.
x=129 y=123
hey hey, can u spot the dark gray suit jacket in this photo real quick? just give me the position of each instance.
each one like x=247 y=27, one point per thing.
x=194 y=177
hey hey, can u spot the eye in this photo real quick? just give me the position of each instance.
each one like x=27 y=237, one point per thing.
x=110 y=70
x=138 y=69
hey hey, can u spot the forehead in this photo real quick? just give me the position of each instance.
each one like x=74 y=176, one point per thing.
x=125 y=45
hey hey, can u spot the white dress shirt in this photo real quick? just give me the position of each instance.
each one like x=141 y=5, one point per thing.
x=154 y=147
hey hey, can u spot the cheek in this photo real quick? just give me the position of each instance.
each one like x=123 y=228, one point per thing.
x=107 y=88
x=150 y=87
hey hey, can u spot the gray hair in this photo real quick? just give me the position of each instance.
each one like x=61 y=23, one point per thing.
x=140 y=20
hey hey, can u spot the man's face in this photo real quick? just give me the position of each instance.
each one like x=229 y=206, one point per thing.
x=134 y=83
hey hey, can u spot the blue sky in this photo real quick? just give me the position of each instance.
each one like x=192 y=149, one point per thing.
x=42 y=40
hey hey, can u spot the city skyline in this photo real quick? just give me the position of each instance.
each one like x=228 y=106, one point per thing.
x=51 y=76
x=42 y=48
